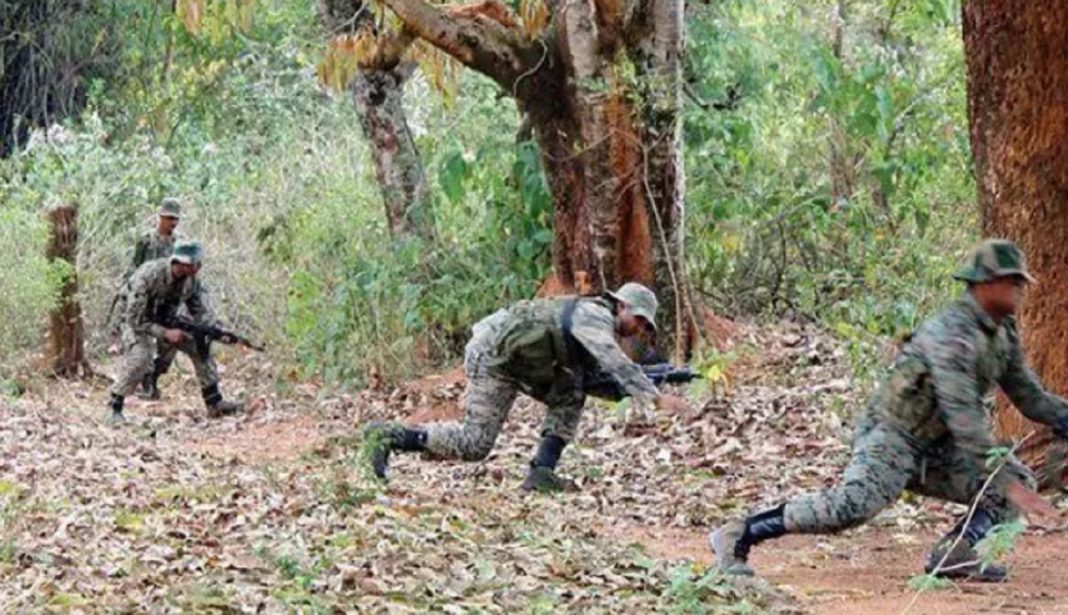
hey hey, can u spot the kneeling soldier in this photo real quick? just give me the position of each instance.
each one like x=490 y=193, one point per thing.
x=544 y=348
x=927 y=429
x=154 y=294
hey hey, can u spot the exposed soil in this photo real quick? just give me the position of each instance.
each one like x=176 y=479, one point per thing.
x=868 y=571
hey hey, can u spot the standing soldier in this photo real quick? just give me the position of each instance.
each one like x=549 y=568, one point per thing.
x=155 y=293
x=927 y=429
x=158 y=243
x=543 y=348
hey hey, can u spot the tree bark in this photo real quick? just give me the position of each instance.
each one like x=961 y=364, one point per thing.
x=378 y=94
x=1017 y=55
x=602 y=88
x=377 y=90
x=66 y=330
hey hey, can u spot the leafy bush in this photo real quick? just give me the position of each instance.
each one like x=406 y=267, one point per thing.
x=836 y=184
x=826 y=181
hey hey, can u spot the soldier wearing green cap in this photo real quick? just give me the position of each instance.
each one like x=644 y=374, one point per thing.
x=155 y=293
x=541 y=347
x=159 y=242
x=927 y=429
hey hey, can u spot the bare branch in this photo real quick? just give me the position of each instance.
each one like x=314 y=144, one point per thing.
x=483 y=37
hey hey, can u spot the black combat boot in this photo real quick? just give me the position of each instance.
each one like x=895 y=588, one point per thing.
x=542 y=475
x=731 y=542
x=217 y=406
x=957 y=559
x=381 y=438
x=115 y=416
x=150 y=385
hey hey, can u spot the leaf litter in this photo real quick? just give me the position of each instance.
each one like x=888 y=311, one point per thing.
x=274 y=511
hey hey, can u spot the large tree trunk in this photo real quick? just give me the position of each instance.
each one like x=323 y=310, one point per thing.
x=601 y=85
x=1017 y=53
x=377 y=88
x=66 y=330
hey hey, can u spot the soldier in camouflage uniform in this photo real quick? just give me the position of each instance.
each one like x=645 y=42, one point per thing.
x=543 y=348
x=927 y=429
x=155 y=293
x=159 y=242
x=153 y=244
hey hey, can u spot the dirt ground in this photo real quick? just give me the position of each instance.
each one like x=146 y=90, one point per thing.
x=273 y=511
x=868 y=570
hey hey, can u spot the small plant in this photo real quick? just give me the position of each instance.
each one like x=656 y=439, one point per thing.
x=9 y=551
x=690 y=591
x=929 y=582
x=997 y=544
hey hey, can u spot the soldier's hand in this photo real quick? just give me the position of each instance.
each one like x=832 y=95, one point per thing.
x=174 y=336
x=1028 y=502
x=673 y=404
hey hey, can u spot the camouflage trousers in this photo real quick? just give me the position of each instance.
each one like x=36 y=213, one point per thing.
x=139 y=353
x=887 y=461
x=487 y=400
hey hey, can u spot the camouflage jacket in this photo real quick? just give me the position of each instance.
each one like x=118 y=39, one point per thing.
x=527 y=343
x=150 y=246
x=940 y=383
x=153 y=294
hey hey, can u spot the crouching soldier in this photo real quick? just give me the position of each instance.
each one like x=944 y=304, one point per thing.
x=543 y=348
x=154 y=294
x=927 y=429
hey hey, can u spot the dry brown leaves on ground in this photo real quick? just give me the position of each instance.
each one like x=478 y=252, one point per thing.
x=273 y=511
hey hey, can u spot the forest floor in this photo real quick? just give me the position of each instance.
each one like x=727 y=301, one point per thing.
x=273 y=511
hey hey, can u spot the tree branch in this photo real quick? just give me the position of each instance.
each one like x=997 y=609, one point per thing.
x=482 y=37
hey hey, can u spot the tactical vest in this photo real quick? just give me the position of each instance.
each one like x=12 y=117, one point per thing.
x=535 y=347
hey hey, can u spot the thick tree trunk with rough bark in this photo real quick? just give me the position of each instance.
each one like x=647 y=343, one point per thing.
x=601 y=85
x=378 y=94
x=1017 y=53
x=66 y=329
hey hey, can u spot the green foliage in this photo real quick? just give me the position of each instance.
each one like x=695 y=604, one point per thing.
x=837 y=184
x=696 y=593
x=929 y=582
x=834 y=182
x=278 y=186
x=999 y=542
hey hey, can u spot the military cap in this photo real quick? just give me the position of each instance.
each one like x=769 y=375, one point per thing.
x=639 y=300
x=170 y=208
x=992 y=259
x=188 y=252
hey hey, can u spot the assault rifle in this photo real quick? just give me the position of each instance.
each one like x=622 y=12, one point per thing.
x=603 y=385
x=204 y=335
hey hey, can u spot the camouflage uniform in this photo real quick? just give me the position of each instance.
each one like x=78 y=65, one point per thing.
x=927 y=429
x=524 y=349
x=154 y=293
x=151 y=246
